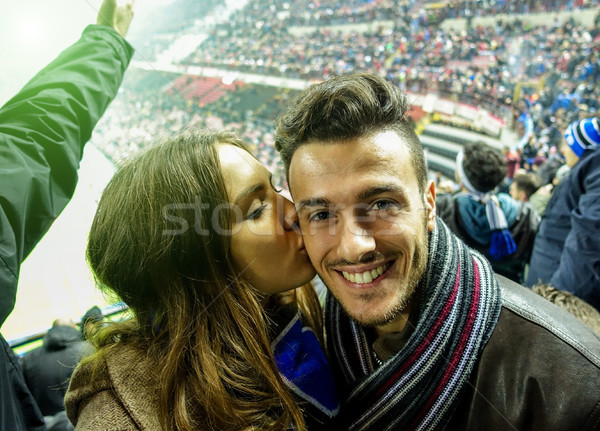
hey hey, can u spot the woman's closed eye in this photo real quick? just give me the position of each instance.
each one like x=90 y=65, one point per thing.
x=256 y=213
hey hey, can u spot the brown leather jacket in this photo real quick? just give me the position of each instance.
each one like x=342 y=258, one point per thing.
x=540 y=370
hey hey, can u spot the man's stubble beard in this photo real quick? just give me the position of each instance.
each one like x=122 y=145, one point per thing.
x=404 y=296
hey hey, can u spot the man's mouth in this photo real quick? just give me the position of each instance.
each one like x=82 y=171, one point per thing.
x=366 y=276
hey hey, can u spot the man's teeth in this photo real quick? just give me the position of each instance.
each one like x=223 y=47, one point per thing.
x=365 y=277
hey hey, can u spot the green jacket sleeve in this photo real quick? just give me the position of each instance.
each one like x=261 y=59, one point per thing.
x=42 y=133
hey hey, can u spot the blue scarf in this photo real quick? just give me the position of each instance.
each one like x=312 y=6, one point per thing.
x=501 y=241
x=304 y=368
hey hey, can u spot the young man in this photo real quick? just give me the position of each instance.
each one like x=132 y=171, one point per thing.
x=566 y=253
x=524 y=185
x=422 y=333
x=42 y=133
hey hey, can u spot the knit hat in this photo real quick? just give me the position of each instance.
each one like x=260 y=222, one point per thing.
x=583 y=134
x=501 y=241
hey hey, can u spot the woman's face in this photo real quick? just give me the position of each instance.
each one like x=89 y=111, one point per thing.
x=267 y=251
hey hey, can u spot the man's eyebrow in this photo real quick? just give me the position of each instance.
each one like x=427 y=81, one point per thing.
x=248 y=191
x=312 y=202
x=366 y=194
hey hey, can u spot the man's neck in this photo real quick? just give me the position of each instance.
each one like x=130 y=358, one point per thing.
x=396 y=325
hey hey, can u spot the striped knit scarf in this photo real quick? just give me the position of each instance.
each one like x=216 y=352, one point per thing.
x=418 y=387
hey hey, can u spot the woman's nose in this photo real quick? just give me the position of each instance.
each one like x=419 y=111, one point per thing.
x=289 y=219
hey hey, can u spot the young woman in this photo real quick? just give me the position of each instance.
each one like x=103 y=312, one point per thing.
x=193 y=236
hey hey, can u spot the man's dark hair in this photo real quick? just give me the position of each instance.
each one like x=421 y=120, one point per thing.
x=527 y=182
x=484 y=166
x=348 y=107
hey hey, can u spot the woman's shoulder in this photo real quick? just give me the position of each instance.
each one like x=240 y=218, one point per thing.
x=114 y=391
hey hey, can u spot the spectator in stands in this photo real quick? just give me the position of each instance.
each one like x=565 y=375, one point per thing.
x=566 y=253
x=571 y=303
x=42 y=132
x=421 y=333
x=513 y=161
x=524 y=185
x=404 y=57
x=496 y=225
x=90 y=321
x=547 y=171
x=205 y=250
x=48 y=368
x=539 y=200
x=537 y=161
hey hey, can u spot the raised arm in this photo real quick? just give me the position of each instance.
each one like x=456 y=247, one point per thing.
x=42 y=133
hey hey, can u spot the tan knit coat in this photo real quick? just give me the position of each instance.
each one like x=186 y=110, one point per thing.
x=121 y=395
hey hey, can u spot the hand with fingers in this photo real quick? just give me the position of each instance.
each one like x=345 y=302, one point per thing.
x=117 y=17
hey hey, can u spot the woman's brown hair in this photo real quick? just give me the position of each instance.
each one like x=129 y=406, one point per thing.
x=154 y=243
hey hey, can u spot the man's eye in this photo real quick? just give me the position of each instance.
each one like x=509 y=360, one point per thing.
x=383 y=205
x=320 y=216
x=256 y=213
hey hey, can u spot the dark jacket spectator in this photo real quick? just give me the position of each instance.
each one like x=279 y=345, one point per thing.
x=566 y=253
x=48 y=368
x=89 y=320
x=548 y=170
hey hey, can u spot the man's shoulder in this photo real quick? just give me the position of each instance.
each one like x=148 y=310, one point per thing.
x=540 y=369
x=528 y=314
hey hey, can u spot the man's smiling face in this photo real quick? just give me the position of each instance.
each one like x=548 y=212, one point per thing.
x=364 y=222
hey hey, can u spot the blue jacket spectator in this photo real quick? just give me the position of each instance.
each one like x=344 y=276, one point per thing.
x=566 y=253
x=494 y=224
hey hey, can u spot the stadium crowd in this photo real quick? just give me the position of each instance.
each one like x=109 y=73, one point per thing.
x=482 y=66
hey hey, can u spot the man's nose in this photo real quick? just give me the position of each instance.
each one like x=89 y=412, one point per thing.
x=355 y=241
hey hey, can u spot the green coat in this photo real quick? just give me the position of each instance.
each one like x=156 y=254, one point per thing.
x=42 y=133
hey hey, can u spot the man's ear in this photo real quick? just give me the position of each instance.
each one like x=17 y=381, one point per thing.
x=429 y=199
